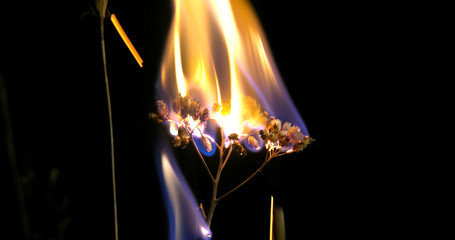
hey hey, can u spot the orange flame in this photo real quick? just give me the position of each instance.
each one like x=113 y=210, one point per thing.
x=216 y=51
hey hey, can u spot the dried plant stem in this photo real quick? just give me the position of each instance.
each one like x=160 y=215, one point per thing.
x=225 y=154
x=111 y=129
x=202 y=158
x=11 y=153
x=227 y=157
x=246 y=180
x=214 y=201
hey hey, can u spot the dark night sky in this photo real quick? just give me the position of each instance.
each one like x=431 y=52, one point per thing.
x=342 y=64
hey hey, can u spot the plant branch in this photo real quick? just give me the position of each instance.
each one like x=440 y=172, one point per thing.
x=197 y=126
x=111 y=129
x=227 y=157
x=214 y=200
x=281 y=154
x=246 y=180
x=201 y=157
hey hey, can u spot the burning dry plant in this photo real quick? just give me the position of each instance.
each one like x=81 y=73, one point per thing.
x=217 y=52
x=188 y=120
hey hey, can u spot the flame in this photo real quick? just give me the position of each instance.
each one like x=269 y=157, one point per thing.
x=185 y=217
x=217 y=52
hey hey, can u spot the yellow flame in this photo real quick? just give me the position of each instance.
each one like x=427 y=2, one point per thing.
x=212 y=43
x=178 y=66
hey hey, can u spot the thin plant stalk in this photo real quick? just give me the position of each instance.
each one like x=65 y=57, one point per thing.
x=225 y=154
x=215 y=200
x=111 y=128
x=10 y=149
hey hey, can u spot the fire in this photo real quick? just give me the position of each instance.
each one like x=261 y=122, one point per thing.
x=217 y=52
x=187 y=221
x=217 y=68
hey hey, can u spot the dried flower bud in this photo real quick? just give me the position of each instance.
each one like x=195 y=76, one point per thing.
x=155 y=117
x=239 y=149
x=308 y=140
x=295 y=135
x=253 y=142
x=101 y=6
x=303 y=144
x=206 y=143
x=286 y=126
x=180 y=105
x=274 y=126
x=233 y=136
x=284 y=141
x=186 y=106
x=299 y=147
x=177 y=141
x=162 y=110
x=185 y=137
x=193 y=108
x=282 y=134
x=184 y=111
x=176 y=105
x=264 y=134
x=267 y=135
x=272 y=137
x=205 y=115
x=182 y=138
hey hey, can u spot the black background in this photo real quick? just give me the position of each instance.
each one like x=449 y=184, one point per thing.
x=343 y=64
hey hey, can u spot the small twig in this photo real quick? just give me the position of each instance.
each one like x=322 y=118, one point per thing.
x=218 y=146
x=227 y=157
x=202 y=210
x=246 y=180
x=221 y=165
x=197 y=126
x=281 y=154
x=214 y=200
x=201 y=157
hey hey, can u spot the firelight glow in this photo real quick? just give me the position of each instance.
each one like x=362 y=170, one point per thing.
x=217 y=52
